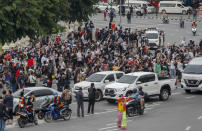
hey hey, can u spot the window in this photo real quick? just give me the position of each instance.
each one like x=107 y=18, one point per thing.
x=150 y=78
x=179 y=5
x=167 y=5
x=110 y=78
x=44 y=92
x=142 y=79
x=119 y=75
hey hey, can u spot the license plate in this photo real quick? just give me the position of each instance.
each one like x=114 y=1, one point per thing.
x=18 y=116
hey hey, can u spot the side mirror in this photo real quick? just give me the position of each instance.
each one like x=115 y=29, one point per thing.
x=138 y=82
x=106 y=81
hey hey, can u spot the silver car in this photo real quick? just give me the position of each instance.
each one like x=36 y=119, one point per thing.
x=39 y=92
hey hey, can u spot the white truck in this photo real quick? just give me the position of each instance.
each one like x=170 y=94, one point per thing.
x=151 y=83
x=100 y=79
x=192 y=76
x=152 y=35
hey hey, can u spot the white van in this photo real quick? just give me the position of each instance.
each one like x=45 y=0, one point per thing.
x=192 y=75
x=172 y=7
x=137 y=5
x=152 y=34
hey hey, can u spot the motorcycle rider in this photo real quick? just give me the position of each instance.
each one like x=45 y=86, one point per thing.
x=21 y=101
x=137 y=97
x=194 y=24
x=30 y=105
x=164 y=15
x=66 y=96
x=58 y=103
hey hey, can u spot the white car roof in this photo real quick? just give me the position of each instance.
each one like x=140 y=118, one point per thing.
x=171 y=2
x=151 y=31
x=134 y=2
x=108 y=72
x=140 y=73
x=196 y=61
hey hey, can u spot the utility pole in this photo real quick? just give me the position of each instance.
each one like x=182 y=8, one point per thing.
x=120 y=2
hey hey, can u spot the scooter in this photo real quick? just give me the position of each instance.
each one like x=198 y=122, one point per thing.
x=52 y=114
x=165 y=20
x=26 y=116
x=194 y=29
x=44 y=108
x=133 y=108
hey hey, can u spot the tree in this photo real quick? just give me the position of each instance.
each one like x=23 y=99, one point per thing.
x=19 y=18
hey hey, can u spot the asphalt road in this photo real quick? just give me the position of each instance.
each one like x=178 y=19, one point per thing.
x=182 y=112
x=174 y=33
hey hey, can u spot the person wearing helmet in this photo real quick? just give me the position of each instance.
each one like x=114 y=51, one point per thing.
x=137 y=97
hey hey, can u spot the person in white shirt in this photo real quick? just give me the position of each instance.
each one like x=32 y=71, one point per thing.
x=172 y=68
x=79 y=58
x=32 y=79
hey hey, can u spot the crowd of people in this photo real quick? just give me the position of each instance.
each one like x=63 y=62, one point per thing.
x=87 y=51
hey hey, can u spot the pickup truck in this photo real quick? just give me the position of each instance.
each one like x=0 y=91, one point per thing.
x=100 y=79
x=152 y=85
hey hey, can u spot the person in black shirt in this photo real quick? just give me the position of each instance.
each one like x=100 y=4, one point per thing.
x=8 y=101
x=91 y=98
x=2 y=114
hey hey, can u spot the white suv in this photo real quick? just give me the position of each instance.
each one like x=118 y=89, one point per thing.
x=100 y=79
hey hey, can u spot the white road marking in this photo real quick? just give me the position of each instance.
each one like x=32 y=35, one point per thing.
x=189 y=97
x=110 y=124
x=107 y=128
x=177 y=93
x=113 y=130
x=200 y=117
x=188 y=128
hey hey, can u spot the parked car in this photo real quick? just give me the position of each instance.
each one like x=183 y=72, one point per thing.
x=39 y=92
x=101 y=6
x=191 y=76
x=152 y=84
x=100 y=79
x=173 y=7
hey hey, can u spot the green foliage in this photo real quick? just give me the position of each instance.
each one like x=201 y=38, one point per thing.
x=19 y=18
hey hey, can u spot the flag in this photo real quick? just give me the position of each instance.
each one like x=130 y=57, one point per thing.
x=30 y=62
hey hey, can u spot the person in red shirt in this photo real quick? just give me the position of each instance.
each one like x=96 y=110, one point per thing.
x=105 y=15
x=194 y=24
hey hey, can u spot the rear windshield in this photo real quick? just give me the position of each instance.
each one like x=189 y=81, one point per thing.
x=193 y=69
x=17 y=93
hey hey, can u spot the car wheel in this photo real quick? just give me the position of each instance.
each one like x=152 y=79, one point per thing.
x=110 y=101
x=164 y=95
x=129 y=93
x=138 y=13
x=188 y=91
x=184 y=12
x=98 y=95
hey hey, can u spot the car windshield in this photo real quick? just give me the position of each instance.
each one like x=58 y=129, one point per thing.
x=128 y=79
x=152 y=35
x=17 y=93
x=95 y=78
x=193 y=69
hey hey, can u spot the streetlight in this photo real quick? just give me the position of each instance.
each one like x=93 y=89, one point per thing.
x=120 y=10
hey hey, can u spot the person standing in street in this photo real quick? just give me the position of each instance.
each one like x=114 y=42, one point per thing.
x=194 y=12
x=8 y=101
x=2 y=115
x=122 y=120
x=131 y=10
x=129 y=17
x=105 y=15
x=80 y=104
x=91 y=98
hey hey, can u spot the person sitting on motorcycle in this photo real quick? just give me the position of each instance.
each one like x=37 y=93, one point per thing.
x=194 y=24
x=142 y=94
x=21 y=101
x=66 y=96
x=165 y=15
x=58 y=103
x=30 y=105
x=137 y=97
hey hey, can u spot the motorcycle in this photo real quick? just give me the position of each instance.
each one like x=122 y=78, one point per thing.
x=133 y=108
x=165 y=20
x=43 y=109
x=26 y=116
x=52 y=114
x=194 y=29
